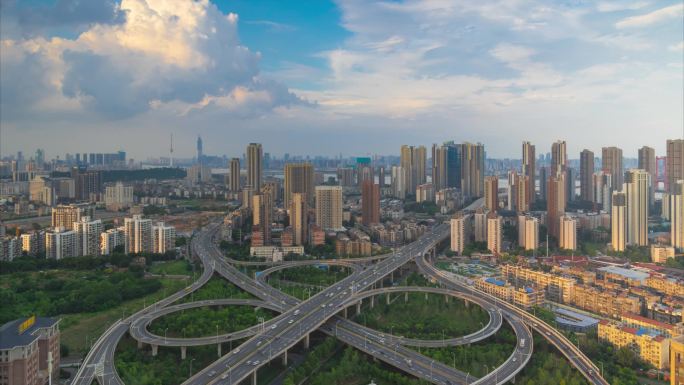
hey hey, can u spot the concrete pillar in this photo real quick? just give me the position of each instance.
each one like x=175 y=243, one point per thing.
x=372 y=301
x=446 y=298
x=254 y=377
x=218 y=350
x=426 y=296
x=306 y=341
x=467 y=303
x=406 y=297
x=154 y=350
x=388 y=298
x=358 y=308
x=392 y=276
x=285 y=358
x=140 y=345
x=344 y=312
x=184 y=351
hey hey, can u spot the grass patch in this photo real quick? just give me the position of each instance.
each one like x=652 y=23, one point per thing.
x=179 y=267
x=203 y=321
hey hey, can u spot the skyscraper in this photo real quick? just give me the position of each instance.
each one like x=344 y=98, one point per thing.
x=370 y=203
x=636 y=193
x=298 y=218
x=491 y=192
x=587 y=175
x=568 y=233
x=254 y=166
x=420 y=164
x=329 y=207
x=453 y=162
x=528 y=168
x=399 y=181
x=261 y=215
x=611 y=158
x=570 y=177
x=559 y=157
x=472 y=170
x=138 y=235
x=439 y=167
x=528 y=232
x=163 y=238
x=88 y=236
x=414 y=160
x=674 y=166
x=543 y=182
x=676 y=209
x=555 y=203
x=299 y=178
x=494 y=236
x=618 y=221
x=234 y=177
x=647 y=161
x=460 y=232
x=603 y=187
x=199 y=149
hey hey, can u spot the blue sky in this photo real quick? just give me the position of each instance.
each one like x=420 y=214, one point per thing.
x=351 y=76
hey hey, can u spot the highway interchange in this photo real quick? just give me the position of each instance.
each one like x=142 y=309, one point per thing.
x=321 y=312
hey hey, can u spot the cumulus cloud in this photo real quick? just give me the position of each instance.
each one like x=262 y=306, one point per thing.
x=657 y=16
x=181 y=52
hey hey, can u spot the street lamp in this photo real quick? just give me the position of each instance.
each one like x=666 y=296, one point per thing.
x=165 y=335
x=192 y=359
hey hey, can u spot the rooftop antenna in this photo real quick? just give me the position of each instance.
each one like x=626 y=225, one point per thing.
x=171 y=152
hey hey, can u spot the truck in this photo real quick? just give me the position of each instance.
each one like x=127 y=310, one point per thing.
x=522 y=343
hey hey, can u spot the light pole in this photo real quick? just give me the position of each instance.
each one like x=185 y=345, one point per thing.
x=431 y=363
x=165 y=335
x=192 y=359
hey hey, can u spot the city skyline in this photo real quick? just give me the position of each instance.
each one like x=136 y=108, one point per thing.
x=587 y=73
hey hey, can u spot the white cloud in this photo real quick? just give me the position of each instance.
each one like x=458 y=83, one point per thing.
x=679 y=47
x=657 y=16
x=614 y=6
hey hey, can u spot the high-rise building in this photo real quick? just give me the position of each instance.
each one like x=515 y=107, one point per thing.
x=61 y=243
x=200 y=154
x=518 y=190
x=676 y=210
x=198 y=173
x=460 y=232
x=299 y=213
x=399 y=182
x=118 y=197
x=587 y=175
x=568 y=233
x=255 y=168
x=453 y=164
x=299 y=178
x=234 y=175
x=26 y=345
x=88 y=236
x=494 y=235
x=364 y=170
x=491 y=192
x=88 y=184
x=559 y=157
x=555 y=203
x=618 y=221
x=677 y=360
x=65 y=215
x=329 y=207
x=112 y=238
x=528 y=232
x=647 y=161
x=138 y=235
x=480 y=225
x=262 y=205
x=603 y=187
x=636 y=192
x=345 y=176
x=528 y=168
x=674 y=165
x=570 y=177
x=414 y=160
x=611 y=161
x=420 y=164
x=543 y=180
x=439 y=167
x=163 y=238
x=370 y=203
x=472 y=169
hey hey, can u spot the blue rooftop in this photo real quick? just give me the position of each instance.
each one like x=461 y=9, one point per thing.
x=495 y=281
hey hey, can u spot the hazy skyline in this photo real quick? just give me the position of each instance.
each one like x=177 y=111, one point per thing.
x=339 y=77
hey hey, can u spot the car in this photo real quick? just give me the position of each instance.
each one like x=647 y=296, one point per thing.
x=249 y=362
x=259 y=343
x=236 y=351
x=255 y=363
x=212 y=373
x=291 y=321
x=223 y=377
x=274 y=326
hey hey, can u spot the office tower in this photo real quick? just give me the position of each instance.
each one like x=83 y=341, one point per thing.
x=163 y=238
x=41 y=190
x=88 y=236
x=559 y=157
x=138 y=235
x=254 y=165
x=118 y=197
x=611 y=158
x=491 y=193
x=262 y=205
x=587 y=176
x=472 y=170
x=494 y=236
x=543 y=179
x=198 y=173
x=299 y=178
x=370 y=203
x=674 y=165
x=528 y=232
x=61 y=243
x=555 y=203
x=528 y=168
x=453 y=164
x=636 y=192
x=400 y=177
x=364 y=170
x=247 y=194
x=512 y=191
x=522 y=186
x=480 y=225
x=618 y=221
x=647 y=161
x=199 y=149
x=329 y=207
x=439 y=167
x=676 y=210
x=570 y=177
x=65 y=215
x=299 y=209
x=603 y=187
x=460 y=232
x=88 y=184
x=568 y=233
x=234 y=176
x=110 y=239
x=381 y=176
x=345 y=176
x=414 y=160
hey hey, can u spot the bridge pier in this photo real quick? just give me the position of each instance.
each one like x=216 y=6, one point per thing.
x=406 y=297
x=285 y=358
x=426 y=296
x=218 y=350
x=184 y=351
x=388 y=298
x=344 y=312
x=140 y=345
x=306 y=341
x=392 y=276
x=254 y=377
x=155 y=349
x=372 y=304
x=358 y=308
x=446 y=298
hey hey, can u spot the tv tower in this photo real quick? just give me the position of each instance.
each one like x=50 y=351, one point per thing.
x=171 y=152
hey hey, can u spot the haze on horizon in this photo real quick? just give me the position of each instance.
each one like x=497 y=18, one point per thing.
x=338 y=77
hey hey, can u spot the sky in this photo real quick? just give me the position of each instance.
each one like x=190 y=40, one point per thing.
x=350 y=77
